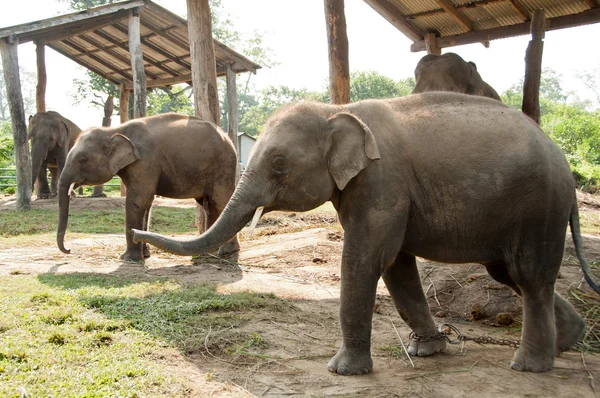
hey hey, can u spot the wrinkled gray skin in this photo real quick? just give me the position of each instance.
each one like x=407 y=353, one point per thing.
x=449 y=177
x=449 y=72
x=52 y=136
x=169 y=155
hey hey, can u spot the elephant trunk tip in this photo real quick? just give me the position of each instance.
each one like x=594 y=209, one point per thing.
x=137 y=235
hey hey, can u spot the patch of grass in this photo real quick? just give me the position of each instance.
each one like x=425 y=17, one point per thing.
x=588 y=304
x=163 y=220
x=98 y=335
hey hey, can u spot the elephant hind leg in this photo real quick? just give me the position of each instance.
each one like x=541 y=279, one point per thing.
x=403 y=283
x=570 y=326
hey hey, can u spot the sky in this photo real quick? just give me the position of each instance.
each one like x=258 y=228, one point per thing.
x=295 y=32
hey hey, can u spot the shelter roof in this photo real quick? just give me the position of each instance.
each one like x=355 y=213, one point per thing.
x=98 y=39
x=457 y=22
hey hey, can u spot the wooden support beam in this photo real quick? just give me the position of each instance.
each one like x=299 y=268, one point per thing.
x=124 y=116
x=337 y=40
x=503 y=32
x=533 y=67
x=101 y=61
x=460 y=19
x=187 y=78
x=137 y=65
x=591 y=3
x=520 y=9
x=10 y=64
x=232 y=113
x=40 y=89
x=125 y=47
x=204 y=72
x=395 y=18
x=431 y=44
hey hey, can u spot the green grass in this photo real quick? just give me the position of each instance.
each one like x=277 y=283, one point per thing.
x=163 y=220
x=83 y=335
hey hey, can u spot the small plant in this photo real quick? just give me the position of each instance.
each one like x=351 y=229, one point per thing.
x=56 y=338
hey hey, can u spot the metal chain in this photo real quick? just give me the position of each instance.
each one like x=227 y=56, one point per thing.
x=461 y=337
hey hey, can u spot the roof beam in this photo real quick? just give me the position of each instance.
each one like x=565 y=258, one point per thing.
x=520 y=9
x=187 y=78
x=77 y=19
x=591 y=3
x=395 y=18
x=460 y=19
x=90 y=67
x=150 y=60
x=86 y=53
x=566 y=21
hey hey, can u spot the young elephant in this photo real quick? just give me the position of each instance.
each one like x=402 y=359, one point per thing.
x=169 y=155
x=449 y=177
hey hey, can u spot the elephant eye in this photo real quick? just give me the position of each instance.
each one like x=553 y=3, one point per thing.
x=278 y=164
x=82 y=160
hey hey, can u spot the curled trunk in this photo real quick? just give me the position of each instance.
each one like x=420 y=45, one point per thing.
x=63 y=211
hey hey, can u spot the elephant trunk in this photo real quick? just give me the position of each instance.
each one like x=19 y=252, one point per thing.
x=64 y=184
x=38 y=155
x=235 y=216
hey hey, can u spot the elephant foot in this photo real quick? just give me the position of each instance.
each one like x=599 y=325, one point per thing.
x=228 y=248
x=528 y=361
x=348 y=362
x=146 y=251
x=132 y=255
x=44 y=195
x=570 y=326
x=418 y=348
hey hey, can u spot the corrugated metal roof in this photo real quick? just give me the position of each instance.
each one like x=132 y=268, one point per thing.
x=98 y=39
x=456 y=22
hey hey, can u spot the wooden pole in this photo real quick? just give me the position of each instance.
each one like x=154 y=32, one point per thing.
x=533 y=67
x=232 y=113
x=10 y=64
x=124 y=115
x=204 y=73
x=337 y=39
x=137 y=65
x=204 y=69
x=431 y=44
x=40 y=90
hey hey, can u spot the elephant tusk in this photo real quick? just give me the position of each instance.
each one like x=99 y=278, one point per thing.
x=255 y=219
x=71 y=187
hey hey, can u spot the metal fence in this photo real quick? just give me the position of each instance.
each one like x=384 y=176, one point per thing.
x=8 y=178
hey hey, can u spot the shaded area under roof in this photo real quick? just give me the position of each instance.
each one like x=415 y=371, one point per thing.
x=98 y=40
x=458 y=22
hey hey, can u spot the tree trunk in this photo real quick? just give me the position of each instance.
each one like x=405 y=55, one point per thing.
x=337 y=40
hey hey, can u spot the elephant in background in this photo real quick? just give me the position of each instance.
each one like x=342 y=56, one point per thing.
x=52 y=137
x=449 y=72
x=448 y=177
x=170 y=155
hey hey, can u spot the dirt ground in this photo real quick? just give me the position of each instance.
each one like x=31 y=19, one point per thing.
x=304 y=267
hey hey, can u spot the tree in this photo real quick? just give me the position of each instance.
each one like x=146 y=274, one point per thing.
x=591 y=79
x=7 y=145
x=28 y=82
x=370 y=84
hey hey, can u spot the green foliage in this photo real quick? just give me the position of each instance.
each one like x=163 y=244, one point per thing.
x=7 y=145
x=176 y=100
x=371 y=84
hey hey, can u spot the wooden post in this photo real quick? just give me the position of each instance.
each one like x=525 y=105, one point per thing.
x=431 y=44
x=124 y=115
x=137 y=65
x=533 y=67
x=232 y=114
x=10 y=63
x=40 y=89
x=204 y=73
x=204 y=69
x=337 y=39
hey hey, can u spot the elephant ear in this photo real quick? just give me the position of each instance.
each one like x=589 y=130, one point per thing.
x=122 y=153
x=63 y=133
x=352 y=147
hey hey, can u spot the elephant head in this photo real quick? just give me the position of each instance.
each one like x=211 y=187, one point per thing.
x=96 y=157
x=304 y=155
x=48 y=131
x=449 y=72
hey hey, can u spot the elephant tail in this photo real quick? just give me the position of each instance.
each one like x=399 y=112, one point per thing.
x=578 y=242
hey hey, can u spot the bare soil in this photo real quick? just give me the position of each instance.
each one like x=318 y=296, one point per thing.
x=297 y=257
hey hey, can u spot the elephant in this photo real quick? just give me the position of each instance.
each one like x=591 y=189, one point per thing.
x=448 y=177
x=170 y=155
x=52 y=136
x=449 y=72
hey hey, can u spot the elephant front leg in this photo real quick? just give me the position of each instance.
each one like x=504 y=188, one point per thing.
x=43 y=189
x=358 y=291
x=135 y=213
x=403 y=283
